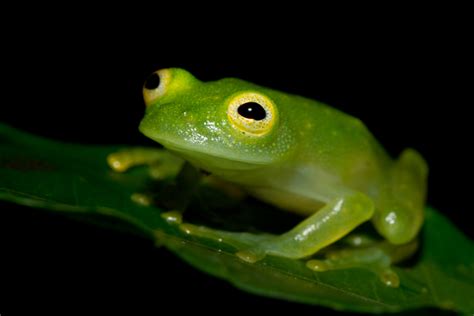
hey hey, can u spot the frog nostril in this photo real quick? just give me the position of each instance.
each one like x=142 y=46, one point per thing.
x=152 y=82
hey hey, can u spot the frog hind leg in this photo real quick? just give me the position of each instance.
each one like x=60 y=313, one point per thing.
x=330 y=223
x=377 y=258
x=399 y=215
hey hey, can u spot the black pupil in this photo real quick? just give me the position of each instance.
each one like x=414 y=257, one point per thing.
x=252 y=110
x=152 y=82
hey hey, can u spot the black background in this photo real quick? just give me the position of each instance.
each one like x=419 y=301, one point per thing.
x=408 y=83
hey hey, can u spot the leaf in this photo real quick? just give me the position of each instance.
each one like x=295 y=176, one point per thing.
x=76 y=179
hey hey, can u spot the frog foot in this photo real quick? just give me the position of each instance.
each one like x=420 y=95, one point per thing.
x=376 y=258
x=385 y=273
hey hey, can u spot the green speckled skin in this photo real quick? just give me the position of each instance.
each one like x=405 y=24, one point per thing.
x=311 y=159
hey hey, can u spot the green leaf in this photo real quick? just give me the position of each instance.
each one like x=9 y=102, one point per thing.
x=76 y=179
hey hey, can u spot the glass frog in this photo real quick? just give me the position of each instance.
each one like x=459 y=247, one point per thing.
x=297 y=154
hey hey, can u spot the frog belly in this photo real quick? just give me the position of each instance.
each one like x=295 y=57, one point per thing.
x=287 y=201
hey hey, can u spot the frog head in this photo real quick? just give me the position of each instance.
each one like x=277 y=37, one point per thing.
x=224 y=124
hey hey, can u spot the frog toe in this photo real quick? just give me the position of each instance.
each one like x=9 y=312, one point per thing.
x=250 y=255
x=389 y=277
x=142 y=199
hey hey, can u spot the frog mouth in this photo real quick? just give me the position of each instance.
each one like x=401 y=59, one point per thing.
x=206 y=159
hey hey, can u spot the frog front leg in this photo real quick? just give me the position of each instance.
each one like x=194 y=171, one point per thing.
x=162 y=163
x=330 y=223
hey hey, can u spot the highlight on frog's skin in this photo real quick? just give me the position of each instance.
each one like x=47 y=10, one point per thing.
x=252 y=113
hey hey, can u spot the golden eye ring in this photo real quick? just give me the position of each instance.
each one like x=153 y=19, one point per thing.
x=156 y=85
x=252 y=113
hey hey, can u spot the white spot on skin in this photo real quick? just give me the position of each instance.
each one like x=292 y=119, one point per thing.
x=391 y=218
x=194 y=137
x=211 y=126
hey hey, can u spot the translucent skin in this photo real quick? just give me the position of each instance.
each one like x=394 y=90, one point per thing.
x=305 y=157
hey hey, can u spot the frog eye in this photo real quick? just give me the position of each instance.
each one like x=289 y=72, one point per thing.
x=156 y=85
x=252 y=113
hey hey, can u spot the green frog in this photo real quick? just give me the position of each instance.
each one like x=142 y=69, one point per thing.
x=295 y=153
